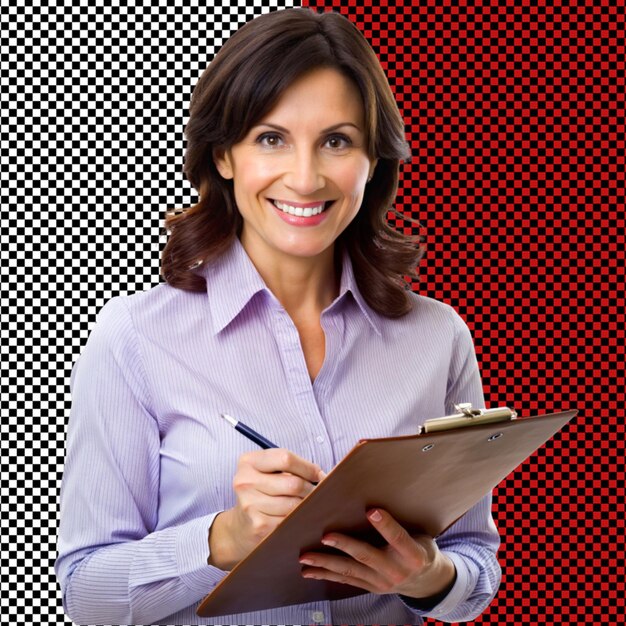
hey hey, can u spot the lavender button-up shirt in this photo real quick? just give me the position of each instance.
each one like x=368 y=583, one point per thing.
x=150 y=463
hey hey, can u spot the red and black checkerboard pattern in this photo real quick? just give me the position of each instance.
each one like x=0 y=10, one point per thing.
x=515 y=112
x=516 y=115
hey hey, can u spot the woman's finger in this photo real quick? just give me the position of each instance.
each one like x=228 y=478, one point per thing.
x=279 y=506
x=282 y=460
x=340 y=569
x=398 y=538
x=276 y=484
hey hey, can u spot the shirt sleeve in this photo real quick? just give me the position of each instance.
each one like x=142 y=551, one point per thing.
x=112 y=565
x=473 y=541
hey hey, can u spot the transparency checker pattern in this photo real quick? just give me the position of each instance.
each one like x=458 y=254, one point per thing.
x=516 y=112
x=513 y=110
x=93 y=107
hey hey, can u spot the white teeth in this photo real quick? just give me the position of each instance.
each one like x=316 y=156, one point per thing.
x=299 y=211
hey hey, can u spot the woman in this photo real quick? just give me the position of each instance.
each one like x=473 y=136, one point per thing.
x=285 y=307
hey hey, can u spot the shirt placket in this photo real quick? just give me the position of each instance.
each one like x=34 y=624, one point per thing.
x=307 y=400
x=301 y=388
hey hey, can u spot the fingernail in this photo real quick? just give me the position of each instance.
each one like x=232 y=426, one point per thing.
x=375 y=516
x=329 y=542
x=322 y=474
x=306 y=562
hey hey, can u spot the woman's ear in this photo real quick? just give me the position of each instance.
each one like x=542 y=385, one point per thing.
x=223 y=163
x=373 y=165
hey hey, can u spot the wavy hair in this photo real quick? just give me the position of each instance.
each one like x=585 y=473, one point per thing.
x=240 y=86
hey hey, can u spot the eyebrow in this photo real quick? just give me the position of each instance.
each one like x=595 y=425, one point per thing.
x=326 y=130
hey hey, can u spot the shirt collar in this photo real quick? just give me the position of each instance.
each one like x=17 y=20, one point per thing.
x=232 y=281
x=349 y=284
x=229 y=296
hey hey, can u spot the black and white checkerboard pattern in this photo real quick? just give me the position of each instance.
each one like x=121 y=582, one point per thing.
x=515 y=111
x=93 y=107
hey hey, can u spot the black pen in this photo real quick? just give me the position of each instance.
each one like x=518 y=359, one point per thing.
x=246 y=431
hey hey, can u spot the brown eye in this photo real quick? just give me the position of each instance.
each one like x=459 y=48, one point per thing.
x=338 y=142
x=271 y=140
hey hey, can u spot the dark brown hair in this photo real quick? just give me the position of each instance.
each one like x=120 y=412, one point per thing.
x=239 y=87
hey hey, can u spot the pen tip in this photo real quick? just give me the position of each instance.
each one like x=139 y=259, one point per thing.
x=231 y=420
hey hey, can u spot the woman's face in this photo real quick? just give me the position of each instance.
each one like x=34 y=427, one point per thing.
x=300 y=174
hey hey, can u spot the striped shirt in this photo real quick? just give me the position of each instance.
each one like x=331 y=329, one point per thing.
x=150 y=463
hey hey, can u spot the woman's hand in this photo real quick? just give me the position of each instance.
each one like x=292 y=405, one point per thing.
x=411 y=566
x=268 y=485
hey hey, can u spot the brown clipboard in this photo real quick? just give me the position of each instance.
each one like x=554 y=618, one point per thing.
x=427 y=481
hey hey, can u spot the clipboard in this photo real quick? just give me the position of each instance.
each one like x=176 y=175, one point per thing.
x=427 y=481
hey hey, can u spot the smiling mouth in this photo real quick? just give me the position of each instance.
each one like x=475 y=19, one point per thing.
x=302 y=211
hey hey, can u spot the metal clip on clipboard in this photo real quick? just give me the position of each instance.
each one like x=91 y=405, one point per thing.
x=467 y=416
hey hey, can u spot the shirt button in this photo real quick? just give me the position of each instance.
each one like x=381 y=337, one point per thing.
x=319 y=439
x=318 y=617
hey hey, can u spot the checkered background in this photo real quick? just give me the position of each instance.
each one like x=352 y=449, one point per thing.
x=515 y=111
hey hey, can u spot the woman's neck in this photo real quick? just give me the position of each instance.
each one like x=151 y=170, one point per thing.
x=304 y=286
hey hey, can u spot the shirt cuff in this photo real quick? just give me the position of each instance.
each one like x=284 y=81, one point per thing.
x=459 y=593
x=192 y=553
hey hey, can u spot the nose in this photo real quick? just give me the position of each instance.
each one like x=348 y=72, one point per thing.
x=304 y=174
